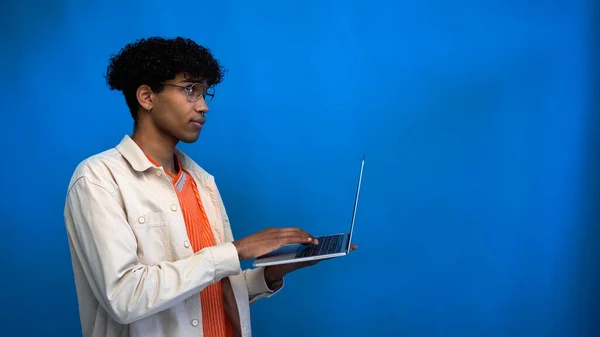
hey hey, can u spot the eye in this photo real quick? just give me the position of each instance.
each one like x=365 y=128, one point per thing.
x=198 y=89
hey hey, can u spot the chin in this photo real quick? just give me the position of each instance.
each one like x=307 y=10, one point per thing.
x=189 y=138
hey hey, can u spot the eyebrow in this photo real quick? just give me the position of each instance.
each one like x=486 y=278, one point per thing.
x=192 y=80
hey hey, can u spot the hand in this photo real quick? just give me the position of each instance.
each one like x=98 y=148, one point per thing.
x=269 y=240
x=277 y=272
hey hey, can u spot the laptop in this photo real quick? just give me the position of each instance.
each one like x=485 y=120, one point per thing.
x=330 y=246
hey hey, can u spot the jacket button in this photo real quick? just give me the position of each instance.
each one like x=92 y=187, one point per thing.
x=195 y=322
x=173 y=207
x=186 y=244
x=141 y=220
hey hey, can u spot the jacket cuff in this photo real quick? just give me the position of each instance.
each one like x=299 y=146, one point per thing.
x=225 y=259
x=257 y=285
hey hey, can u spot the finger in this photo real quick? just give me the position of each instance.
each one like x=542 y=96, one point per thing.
x=296 y=231
x=312 y=239
x=353 y=247
x=298 y=238
x=297 y=235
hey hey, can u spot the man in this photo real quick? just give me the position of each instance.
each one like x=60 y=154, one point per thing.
x=152 y=249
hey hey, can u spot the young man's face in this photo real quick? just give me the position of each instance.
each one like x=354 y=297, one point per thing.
x=173 y=113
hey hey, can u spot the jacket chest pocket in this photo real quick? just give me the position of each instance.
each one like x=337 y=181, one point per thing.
x=151 y=231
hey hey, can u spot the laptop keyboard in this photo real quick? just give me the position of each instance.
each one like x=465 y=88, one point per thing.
x=327 y=245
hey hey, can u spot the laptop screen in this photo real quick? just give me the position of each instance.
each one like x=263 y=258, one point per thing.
x=362 y=166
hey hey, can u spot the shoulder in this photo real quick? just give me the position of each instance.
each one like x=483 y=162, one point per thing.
x=98 y=169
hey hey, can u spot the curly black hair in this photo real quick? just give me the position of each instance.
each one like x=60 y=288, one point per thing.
x=153 y=60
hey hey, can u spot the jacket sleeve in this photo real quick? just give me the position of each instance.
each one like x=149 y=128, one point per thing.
x=105 y=245
x=257 y=286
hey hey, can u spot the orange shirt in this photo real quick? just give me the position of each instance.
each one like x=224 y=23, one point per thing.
x=214 y=319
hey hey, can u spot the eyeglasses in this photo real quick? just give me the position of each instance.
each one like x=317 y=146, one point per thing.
x=195 y=91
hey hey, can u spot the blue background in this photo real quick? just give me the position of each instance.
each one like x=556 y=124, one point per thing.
x=479 y=208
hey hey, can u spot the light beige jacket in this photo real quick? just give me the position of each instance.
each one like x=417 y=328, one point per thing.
x=135 y=271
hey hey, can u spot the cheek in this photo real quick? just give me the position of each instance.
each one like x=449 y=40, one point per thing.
x=171 y=115
x=175 y=112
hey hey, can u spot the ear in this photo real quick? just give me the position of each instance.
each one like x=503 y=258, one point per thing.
x=145 y=97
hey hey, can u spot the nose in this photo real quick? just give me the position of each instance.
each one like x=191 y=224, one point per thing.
x=200 y=106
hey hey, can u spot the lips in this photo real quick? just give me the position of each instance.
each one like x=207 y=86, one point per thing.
x=200 y=120
x=197 y=123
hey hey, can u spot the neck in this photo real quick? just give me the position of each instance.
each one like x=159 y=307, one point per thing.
x=158 y=146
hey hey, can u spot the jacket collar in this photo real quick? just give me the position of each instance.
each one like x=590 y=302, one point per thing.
x=139 y=162
x=133 y=154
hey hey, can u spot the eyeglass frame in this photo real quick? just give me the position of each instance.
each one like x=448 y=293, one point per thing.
x=189 y=89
